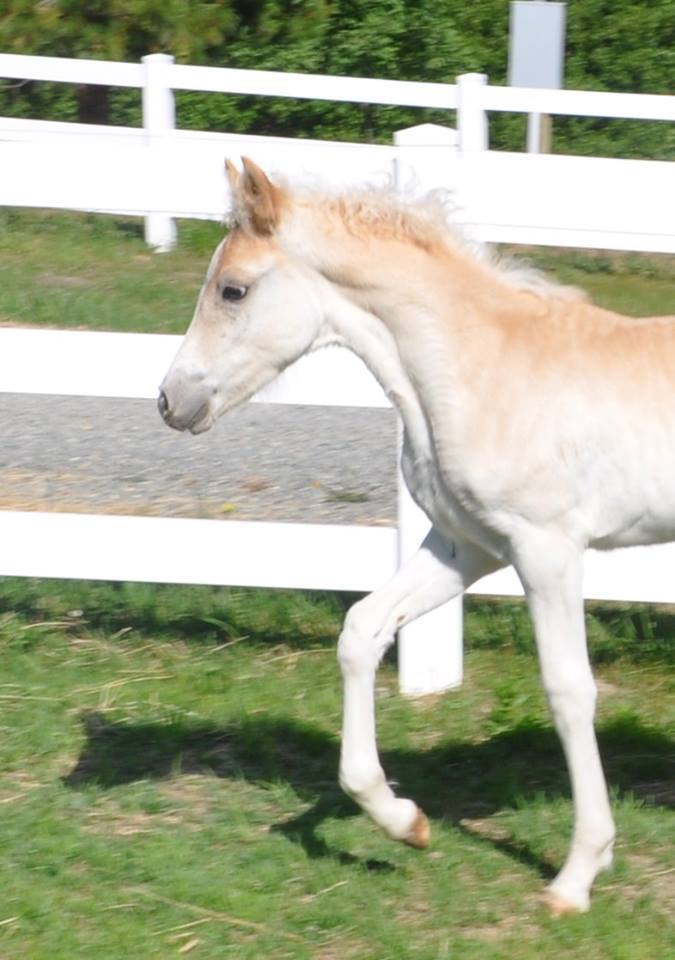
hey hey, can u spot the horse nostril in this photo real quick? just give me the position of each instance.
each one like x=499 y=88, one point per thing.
x=162 y=404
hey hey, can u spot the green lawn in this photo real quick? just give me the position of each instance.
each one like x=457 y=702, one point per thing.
x=79 y=270
x=168 y=762
x=638 y=285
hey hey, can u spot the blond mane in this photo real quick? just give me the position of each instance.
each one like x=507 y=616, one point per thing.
x=430 y=223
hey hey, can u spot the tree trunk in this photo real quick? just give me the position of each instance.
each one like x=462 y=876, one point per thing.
x=93 y=104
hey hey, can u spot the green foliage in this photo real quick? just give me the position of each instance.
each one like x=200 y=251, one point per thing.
x=619 y=45
x=115 y=29
x=611 y=45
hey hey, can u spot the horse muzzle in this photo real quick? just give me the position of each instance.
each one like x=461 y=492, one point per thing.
x=184 y=403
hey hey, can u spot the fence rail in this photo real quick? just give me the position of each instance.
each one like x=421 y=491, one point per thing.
x=580 y=103
x=162 y=173
x=404 y=93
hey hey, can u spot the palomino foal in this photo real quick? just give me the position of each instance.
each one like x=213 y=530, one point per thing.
x=536 y=425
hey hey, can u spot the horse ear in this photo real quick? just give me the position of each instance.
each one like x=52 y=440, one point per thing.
x=232 y=174
x=262 y=200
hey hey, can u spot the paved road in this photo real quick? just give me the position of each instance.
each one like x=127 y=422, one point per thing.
x=310 y=464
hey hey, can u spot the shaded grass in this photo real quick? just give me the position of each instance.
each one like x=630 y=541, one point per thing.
x=213 y=615
x=155 y=793
x=639 y=632
x=203 y=616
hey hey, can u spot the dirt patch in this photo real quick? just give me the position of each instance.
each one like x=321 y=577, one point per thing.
x=64 y=280
x=487 y=829
x=344 y=950
x=190 y=796
x=605 y=688
x=108 y=819
x=185 y=801
x=656 y=883
x=17 y=786
x=508 y=926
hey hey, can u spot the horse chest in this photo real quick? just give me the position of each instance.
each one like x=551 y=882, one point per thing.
x=447 y=511
x=423 y=479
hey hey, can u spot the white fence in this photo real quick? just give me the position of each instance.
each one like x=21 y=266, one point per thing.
x=163 y=173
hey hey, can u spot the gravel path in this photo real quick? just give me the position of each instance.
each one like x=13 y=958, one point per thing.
x=262 y=462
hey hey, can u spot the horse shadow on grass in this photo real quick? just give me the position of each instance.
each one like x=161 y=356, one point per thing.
x=455 y=781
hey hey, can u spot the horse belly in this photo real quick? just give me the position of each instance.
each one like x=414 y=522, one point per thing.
x=635 y=504
x=643 y=524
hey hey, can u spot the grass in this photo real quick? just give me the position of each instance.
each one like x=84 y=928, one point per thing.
x=335 y=495
x=95 y=272
x=82 y=270
x=635 y=284
x=168 y=762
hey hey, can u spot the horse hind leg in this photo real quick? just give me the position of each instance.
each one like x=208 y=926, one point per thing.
x=551 y=572
x=432 y=576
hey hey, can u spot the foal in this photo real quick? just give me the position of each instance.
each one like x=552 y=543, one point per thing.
x=536 y=425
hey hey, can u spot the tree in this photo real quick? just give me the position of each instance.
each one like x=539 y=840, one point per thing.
x=112 y=30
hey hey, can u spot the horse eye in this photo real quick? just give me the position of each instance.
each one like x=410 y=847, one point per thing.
x=232 y=293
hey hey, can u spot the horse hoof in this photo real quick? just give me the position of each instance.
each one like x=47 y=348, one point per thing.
x=559 y=906
x=419 y=834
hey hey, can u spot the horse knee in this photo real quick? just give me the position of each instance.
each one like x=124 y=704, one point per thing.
x=356 y=647
x=572 y=699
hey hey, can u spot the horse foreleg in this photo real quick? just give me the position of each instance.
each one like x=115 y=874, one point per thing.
x=435 y=574
x=551 y=573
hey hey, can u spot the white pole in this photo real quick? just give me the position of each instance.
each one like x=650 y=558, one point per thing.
x=539 y=129
x=159 y=118
x=472 y=122
x=427 y=166
x=430 y=650
x=533 y=132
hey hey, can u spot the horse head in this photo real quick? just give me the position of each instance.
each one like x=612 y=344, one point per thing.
x=258 y=311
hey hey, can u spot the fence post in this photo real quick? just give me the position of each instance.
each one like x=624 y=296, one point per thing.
x=428 y=165
x=430 y=650
x=472 y=123
x=159 y=118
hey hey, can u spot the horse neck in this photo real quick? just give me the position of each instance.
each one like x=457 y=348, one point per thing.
x=441 y=308
x=413 y=319
x=421 y=317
